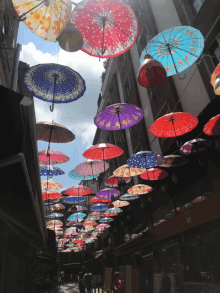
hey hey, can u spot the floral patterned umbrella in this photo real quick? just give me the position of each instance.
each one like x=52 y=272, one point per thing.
x=76 y=216
x=54 y=216
x=215 y=76
x=74 y=175
x=102 y=226
x=87 y=229
x=112 y=181
x=154 y=174
x=91 y=167
x=52 y=157
x=103 y=151
x=129 y=197
x=78 y=190
x=120 y=204
x=212 y=127
x=107 y=192
x=140 y=189
x=99 y=207
x=55 y=223
x=99 y=200
x=195 y=146
x=145 y=159
x=76 y=222
x=50 y=171
x=173 y=161
x=74 y=200
x=44 y=18
x=90 y=223
x=50 y=184
x=128 y=171
x=118 y=116
x=56 y=207
x=109 y=27
x=112 y=212
x=51 y=194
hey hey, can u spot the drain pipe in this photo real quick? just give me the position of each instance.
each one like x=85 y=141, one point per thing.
x=14 y=79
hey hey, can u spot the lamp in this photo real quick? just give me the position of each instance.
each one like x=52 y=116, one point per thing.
x=70 y=38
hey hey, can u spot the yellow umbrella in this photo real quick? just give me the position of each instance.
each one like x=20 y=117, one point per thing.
x=127 y=171
x=140 y=189
x=52 y=185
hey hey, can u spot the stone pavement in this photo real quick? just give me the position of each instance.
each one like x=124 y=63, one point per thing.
x=74 y=288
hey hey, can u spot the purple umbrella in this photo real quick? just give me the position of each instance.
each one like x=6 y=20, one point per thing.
x=118 y=116
x=91 y=167
x=107 y=192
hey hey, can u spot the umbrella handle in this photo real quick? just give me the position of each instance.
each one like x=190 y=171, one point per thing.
x=179 y=144
x=52 y=107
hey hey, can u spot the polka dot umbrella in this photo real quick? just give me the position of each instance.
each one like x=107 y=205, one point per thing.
x=73 y=200
x=140 y=189
x=99 y=207
x=50 y=171
x=145 y=159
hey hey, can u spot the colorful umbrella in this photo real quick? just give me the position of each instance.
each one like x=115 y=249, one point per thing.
x=176 y=48
x=195 y=146
x=78 y=241
x=74 y=223
x=91 y=167
x=50 y=171
x=106 y=220
x=51 y=195
x=112 y=181
x=99 y=207
x=78 y=190
x=87 y=229
x=99 y=200
x=55 y=223
x=103 y=151
x=109 y=27
x=74 y=175
x=52 y=157
x=77 y=208
x=145 y=159
x=140 y=189
x=44 y=18
x=56 y=207
x=59 y=233
x=128 y=171
x=54 y=216
x=88 y=241
x=93 y=218
x=76 y=216
x=129 y=197
x=74 y=200
x=120 y=204
x=107 y=192
x=90 y=223
x=174 y=124
x=95 y=214
x=70 y=230
x=54 y=83
x=112 y=212
x=118 y=116
x=51 y=202
x=53 y=132
x=154 y=174
x=50 y=184
x=102 y=226
x=173 y=161
x=215 y=80
x=212 y=127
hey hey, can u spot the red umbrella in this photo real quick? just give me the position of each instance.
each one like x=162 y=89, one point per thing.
x=99 y=200
x=90 y=223
x=112 y=181
x=154 y=174
x=78 y=241
x=52 y=157
x=103 y=151
x=215 y=80
x=51 y=195
x=78 y=190
x=174 y=124
x=212 y=127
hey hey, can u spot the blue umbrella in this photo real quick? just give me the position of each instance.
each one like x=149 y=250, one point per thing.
x=54 y=83
x=54 y=216
x=79 y=209
x=76 y=216
x=145 y=159
x=106 y=220
x=176 y=48
x=72 y=174
x=99 y=207
x=113 y=211
x=50 y=170
x=74 y=200
x=128 y=197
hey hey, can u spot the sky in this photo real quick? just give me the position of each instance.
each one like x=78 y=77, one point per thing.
x=78 y=116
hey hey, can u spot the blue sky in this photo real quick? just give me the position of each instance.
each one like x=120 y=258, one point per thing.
x=77 y=116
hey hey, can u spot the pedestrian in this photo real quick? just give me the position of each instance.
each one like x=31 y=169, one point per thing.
x=88 y=281
x=81 y=284
x=118 y=286
x=166 y=282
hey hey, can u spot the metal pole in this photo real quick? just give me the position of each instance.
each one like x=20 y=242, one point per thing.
x=15 y=67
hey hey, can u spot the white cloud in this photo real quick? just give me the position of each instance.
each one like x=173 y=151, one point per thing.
x=43 y=113
x=87 y=132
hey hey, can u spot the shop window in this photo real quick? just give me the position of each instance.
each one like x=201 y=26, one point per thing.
x=195 y=5
x=214 y=50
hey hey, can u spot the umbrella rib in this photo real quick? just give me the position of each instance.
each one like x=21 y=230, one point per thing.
x=186 y=51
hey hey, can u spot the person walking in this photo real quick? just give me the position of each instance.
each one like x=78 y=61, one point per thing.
x=81 y=285
x=88 y=281
x=166 y=282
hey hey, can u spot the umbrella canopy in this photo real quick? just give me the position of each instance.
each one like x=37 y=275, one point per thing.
x=54 y=83
x=95 y=214
x=91 y=167
x=140 y=189
x=118 y=116
x=154 y=174
x=128 y=171
x=87 y=229
x=74 y=175
x=120 y=203
x=88 y=241
x=214 y=78
x=74 y=223
x=103 y=151
x=50 y=184
x=99 y=207
x=78 y=190
x=44 y=18
x=90 y=223
x=173 y=161
x=109 y=27
x=99 y=200
x=212 y=127
x=145 y=159
x=55 y=207
x=74 y=200
x=112 y=181
x=76 y=217
x=174 y=124
x=51 y=195
x=176 y=48
x=107 y=192
x=57 y=229
x=51 y=202
x=54 y=216
x=78 y=241
x=112 y=212
x=93 y=218
x=53 y=132
x=195 y=146
x=129 y=197
x=55 y=223
x=102 y=226
x=70 y=230
x=52 y=157
x=50 y=171
x=106 y=220
x=77 y=208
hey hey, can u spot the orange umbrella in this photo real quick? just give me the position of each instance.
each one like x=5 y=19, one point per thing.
x=51 y=184
x=140 y=189
x=127 y=171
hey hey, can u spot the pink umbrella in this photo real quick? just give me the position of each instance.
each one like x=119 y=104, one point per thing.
x=52 y=157
x=91 y=167
x=102 y=226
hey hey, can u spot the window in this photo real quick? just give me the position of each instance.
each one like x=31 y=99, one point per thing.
x=143 y=40
x=127 y=88
x=214 y=50
x=195 y=5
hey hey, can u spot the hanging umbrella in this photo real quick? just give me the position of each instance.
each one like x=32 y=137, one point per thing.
x=128 y=171
x=154 y=174
x=59 y=233
x=51 y=195
x=103 y=151
x=129 y=197
x=51 y=202
x=176 y=48
x=70 y=230
x=90 y=223
x=215 y=80
x=120 y=204
x=78 y=190
x=91 y=167
x=44 y=18
x=93 y=218
x=145 y=159
x=88 y=241
x=74 y=200
x=195 y=146
x=77 y=208
x=56 y=207
x=102 y=226
x=118 y=116
x=140 y=189
x=57 y=229
x=112 y=181
x=87 y=229
x=50 y=184
x=107 y=192
x=99 y=207
x=109 y=27
x=76 y=222
x=76 y=216
x=106 y=220
x=54 y=216
x=55 y=223
x=50 y=171
x=99 y=200
x=212 y=127
x=95 y=213
x=174 y=124
x=54 y=83
x=74 y=175
x=173 y=161
x=52 y=157
x=78 y=241
x=112 y=212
